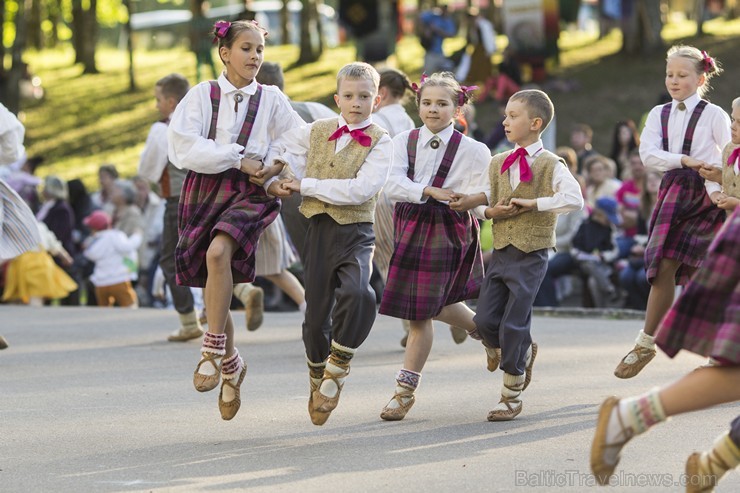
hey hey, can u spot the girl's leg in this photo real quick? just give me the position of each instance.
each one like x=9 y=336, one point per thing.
x=418 y=347
x=659 y=302
x=289 y=284
x=219 y=287
x=458 y=315
x=620 y=420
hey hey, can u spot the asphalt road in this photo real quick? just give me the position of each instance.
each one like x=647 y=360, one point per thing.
x=96 y=400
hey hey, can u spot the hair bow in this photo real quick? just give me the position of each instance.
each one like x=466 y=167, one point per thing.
x=463 y=91
x=220 y=28
x=415 y=87
x=708 y=61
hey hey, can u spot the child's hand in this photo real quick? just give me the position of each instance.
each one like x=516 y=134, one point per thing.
x=440 y=194
x=250 y=166
x=461 y=202
x=711 y=173
x=501 y=210
x=692 y=163
x=276 y=189
x=728 y=203
x=291 y=185
x=525 y=204
x=715 y=197
x=264 y=174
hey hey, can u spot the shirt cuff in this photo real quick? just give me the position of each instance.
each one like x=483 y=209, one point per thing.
x=308 y=186
x=416 y=193
x=712 y=187
x=544 y=203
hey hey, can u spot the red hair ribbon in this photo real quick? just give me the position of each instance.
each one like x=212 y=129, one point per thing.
x=708 y=61
x=220 y=29
x=415 y=87
x=463 y=91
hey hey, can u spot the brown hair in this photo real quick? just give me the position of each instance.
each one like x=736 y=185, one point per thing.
x=446 y=80
x=396 y=81
x=538 y=105
x=173 y=86
x=234 y=29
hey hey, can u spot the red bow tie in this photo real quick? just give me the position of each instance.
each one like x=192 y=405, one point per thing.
x=357 y=134
x=525 y=172
x=733 y=157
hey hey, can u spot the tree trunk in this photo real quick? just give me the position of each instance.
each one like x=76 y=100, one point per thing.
x=33 y=26
x=130 y=45
x=309 y=51
x=2 y=45
x=90 y=39
x=641 y=26
x=12 y=88
x=284 y=18
x=55 y=16
x=699 y=16
x=78 y=28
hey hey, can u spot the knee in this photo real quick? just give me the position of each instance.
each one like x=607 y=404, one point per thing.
x=217 y=253
x=362 y=295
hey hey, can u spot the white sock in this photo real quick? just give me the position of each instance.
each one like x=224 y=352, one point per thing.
x=228 y=394
x=637 y=415
x=511 y=390
x=338 y=354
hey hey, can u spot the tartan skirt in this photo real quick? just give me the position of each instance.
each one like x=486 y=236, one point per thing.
x=706 y=317
x=436 y=261
x=683 y=224
x=223 y=202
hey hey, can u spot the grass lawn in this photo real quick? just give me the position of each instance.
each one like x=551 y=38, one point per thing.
x=85 y=121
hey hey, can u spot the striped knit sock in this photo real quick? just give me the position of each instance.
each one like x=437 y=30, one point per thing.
x=230 y=370
x=406 y=380
x=315 y=373
x=338 y=365
x=215 y=344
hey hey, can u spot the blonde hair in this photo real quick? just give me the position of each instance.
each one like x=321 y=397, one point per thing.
x=735 y=103
x=538 y=105
x=702 y=63
x=359 y=71
x=447 y=81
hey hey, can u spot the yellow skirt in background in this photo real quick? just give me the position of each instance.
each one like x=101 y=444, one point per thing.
x=34 y=274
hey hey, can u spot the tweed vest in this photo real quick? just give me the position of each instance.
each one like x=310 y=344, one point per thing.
x=529 y=231
x=323 y=163
x=730 y=181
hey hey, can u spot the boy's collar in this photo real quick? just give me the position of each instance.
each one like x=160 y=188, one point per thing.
x=353 y=126
x=532 y=148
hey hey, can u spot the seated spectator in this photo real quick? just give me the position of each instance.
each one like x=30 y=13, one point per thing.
x=599 y=181
x=625 y=140
x=580 y=140
x=628 y=199
x=632 y=277
x=107 y=175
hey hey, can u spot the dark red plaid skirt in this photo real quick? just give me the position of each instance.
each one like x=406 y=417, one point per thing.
x=436 y=261
x=706 y=317
x=225 y=202
x=683 y=225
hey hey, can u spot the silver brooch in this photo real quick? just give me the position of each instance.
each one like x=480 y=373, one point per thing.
x=238 y=97
x=434 y=144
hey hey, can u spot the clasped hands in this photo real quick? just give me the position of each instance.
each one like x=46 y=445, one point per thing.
x=504 y=208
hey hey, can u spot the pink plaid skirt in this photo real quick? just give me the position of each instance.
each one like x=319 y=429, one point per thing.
x=683 y=225
x=224 y=202
x=436 y=261
x=706 y=317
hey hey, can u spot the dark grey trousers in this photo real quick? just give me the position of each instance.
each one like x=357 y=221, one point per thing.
x=337 y=265
x=504 y=312
x=181 y=295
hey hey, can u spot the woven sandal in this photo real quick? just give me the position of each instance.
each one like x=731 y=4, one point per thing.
x=493 y=361
x=322 y=406
x=204 y=383
x=600 y=469
x=698 y=481
x=641 y=355
x=318 y=418
x=528 y=369
x=229 y=409
x=398 y=413
x=511 y=411
x=458 y=334
x=255 y=308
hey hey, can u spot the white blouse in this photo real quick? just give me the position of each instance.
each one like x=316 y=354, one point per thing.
x=394 y=119
x=187 y=133
x=712 y=133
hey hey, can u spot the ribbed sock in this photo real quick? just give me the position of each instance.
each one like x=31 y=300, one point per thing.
x=214 y=344
x=230 y=370
x=338 y=364
x=406 y=380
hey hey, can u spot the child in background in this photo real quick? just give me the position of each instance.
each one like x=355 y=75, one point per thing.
x=680 y=138
x=436 y=263
x=114 y=255
x=729 y=175
x=221 y=132
x=529 y=187
x=340 y=165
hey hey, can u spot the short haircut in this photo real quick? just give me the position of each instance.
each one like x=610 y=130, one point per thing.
x=583 y=128
x=361 y=71
x=736 y=103
x=173 y=86
x=108 y=169
x=271 y=74
x=538 y=105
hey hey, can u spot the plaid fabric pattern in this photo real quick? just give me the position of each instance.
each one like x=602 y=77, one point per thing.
x=437 y=258
x=683 y=224
x=689 y=135
x=706 y=317
x=223 y=202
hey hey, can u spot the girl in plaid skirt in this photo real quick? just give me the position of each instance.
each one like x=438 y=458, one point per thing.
x=679 y=138
x=221 y=132
x=704 y=320
x=436 y=263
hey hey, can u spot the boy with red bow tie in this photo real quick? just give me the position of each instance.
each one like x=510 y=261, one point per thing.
x=340 y=164
x=529 y=188
x=729 y=174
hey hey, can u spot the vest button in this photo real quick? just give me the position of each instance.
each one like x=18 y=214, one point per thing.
x=509 y=238
x=326 y=206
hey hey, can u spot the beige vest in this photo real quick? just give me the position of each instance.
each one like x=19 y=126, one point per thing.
x=529 y=231
x=323 y=163
x=730 y=181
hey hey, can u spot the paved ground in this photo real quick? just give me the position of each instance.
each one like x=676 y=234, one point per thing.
x=96 y=400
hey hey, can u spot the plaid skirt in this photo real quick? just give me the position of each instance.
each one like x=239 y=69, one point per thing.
x=224 y=202
x=706 y=317
x=436 y=262
x=683 y=225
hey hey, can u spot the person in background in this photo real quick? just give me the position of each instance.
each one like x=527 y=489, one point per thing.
x=436 y=25
x=626 y=139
